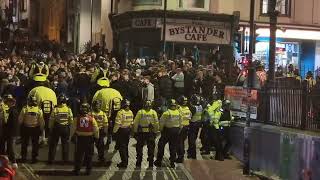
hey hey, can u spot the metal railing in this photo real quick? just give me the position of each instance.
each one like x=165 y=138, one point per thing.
x=290 y=103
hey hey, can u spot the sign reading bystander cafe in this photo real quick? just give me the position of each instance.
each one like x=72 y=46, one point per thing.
x=198 y=33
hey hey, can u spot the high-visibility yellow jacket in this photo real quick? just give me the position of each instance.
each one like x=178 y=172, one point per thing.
x=124 y=119
x=171 y=119
x=214 y=112
x=146 y=121
x=101 y=119
x=4 y=112
x=31 y=116
x=186 y=115
x=61 y=115
x=106 y=95
x=44 y=95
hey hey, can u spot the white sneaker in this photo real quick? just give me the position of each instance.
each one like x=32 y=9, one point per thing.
x=15 y=166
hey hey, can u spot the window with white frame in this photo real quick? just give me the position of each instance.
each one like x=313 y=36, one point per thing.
x=194 y=4
x=283 y=6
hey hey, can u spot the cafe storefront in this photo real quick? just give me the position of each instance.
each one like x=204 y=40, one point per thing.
x=138 y=34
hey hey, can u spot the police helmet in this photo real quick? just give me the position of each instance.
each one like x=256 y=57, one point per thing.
x=195 y=99
x=183 y=100
x=96 y=104
x=125 y=103
x=84 y=108
x=226 y=103
x=8 y=97
x=62 y=99
x=172 y=103
x=147 y=104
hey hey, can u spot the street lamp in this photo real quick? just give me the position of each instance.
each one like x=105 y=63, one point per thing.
x=251 y=72
x=273 y=13
x=164 y=26
x=91 y=24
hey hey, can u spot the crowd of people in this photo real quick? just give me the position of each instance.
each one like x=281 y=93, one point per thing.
x=186 y=97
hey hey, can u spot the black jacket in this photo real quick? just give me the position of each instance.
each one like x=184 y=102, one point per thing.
x=166 y=87
x=12 y=127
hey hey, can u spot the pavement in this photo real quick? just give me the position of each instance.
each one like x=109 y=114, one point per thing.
x=204 y=168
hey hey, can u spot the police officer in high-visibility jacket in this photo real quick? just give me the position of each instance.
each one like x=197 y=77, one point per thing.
x=85 y=129
x=4 y=115
x=186 y=117
x=47 y=100
x=146 y=126
x=115 y=107
x=225 y=123
x=59 y=124
x=9 y=114
x=122 y=127
x=170 y=126
x=31 y=119
x=214 y=113
x=195 y=124
x=102 y=121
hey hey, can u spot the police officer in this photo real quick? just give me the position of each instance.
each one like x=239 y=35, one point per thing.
x=214 y=113
x=225 y=123
x=186 y=117
x=47 y=100
x=85 y=129
x=102 y=121
x=195 y=124
x=31 y=119
x=205 y=141
x=122 y=127
x=10 y=128
x=145 y=127
x=59 y=125
x=170 y=126
x=114 y=108
x=4 y=114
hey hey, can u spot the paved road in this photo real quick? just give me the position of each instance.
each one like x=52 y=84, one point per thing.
x=204 y=168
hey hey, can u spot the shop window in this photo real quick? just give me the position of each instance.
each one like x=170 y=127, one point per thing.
x=283 y=6
x=194 y=4
x=147 y=2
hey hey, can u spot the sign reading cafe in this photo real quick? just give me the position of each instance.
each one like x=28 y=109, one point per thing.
x=197 y=34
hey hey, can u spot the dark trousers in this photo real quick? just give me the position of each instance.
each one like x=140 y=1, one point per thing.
x=214 y=136
x=84 y=152
x=123 y=136
x=6 y=146
x=100 y=144
x=110 y=135
x=46 y=118
x=63 y=133
x=28 y=133
x=182 y=137
x=227 y=139
x=192 y=138
x=205 y=142
x=142 y=139
x=171 y=136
